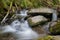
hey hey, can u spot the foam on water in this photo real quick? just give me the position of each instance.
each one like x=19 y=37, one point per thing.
x=21 y=29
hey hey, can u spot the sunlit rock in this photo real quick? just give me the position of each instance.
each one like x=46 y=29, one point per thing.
x=36 y=20
x=41 y=10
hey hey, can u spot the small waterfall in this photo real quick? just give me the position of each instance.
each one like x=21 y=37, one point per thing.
x=20 y=28
x=52 y=23
x=24 y=32
x=54 y=16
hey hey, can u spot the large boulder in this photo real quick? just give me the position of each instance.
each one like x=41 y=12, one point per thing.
x=55 y=29
x=47 y=12
x=36 y=20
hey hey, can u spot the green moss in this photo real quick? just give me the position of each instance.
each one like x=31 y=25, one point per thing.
x=46 y=38
x=30 y=22
x=55 y=29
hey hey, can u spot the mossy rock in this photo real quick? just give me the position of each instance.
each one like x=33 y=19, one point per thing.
x=37 y=20
x=49 y=37
x=46 y=38
x=55 y=29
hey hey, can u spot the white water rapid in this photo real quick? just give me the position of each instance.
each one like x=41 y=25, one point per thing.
x=20 y=28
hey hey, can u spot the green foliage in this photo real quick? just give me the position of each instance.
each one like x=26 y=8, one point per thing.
x=29 y=3
x=25 y=3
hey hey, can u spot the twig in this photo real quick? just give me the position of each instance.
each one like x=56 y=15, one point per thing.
x=16 y=6
x=7 y=13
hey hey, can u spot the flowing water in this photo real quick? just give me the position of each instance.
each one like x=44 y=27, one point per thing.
x=52 y=23
x=20 y=28
x=24 y=32
x=54 y=16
